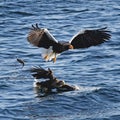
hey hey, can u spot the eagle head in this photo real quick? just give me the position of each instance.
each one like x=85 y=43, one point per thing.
x=71 y=47
x=67 y=46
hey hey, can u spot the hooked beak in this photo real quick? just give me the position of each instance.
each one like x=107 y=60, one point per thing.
x=71 y=47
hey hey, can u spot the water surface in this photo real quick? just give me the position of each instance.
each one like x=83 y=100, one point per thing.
x=95 y=70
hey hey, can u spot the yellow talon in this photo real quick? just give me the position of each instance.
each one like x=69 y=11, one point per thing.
x=46 y=57
x=54 y=59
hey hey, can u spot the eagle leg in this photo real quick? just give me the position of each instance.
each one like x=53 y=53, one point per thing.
x=54 y=59
x=46 y=57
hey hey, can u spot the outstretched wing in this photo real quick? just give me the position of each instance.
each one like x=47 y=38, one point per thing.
x=90 y=38
x=41 y=37
x=39 y=72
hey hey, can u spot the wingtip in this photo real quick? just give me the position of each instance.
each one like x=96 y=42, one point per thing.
x=105 y=29
x=35 y=27
x=49 y=70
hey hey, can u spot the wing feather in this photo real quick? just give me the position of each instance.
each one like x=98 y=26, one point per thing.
x=90 y=38
x=39 y=72
x=41 y=37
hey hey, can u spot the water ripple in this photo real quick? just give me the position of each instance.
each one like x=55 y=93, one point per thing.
x=96 y=70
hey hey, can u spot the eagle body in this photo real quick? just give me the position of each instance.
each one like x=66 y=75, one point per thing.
x=52 y=83
x=51 y=48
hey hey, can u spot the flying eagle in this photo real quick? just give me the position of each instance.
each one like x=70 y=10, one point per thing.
x=51 y=48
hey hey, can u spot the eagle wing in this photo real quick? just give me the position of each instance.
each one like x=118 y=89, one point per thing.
x=89 y=38
x=39 y=72
x=41 y=37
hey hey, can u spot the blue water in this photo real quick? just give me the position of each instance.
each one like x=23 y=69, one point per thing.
x=96 y=70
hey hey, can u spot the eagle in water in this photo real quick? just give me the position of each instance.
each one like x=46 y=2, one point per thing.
x=51 y=48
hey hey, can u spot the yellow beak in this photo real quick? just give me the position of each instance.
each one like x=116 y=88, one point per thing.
x=71 y=47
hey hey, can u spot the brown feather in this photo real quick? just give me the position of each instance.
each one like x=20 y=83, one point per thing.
x=34 y=36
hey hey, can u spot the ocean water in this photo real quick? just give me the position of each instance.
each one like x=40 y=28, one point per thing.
x=96 y=70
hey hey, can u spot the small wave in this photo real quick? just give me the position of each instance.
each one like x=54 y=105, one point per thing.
x=82 y=90
x=22 y=13
x=75 y=10
x=88 y=89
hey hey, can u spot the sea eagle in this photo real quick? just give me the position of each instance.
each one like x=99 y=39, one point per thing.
x=51 y=48
x=51 y=83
